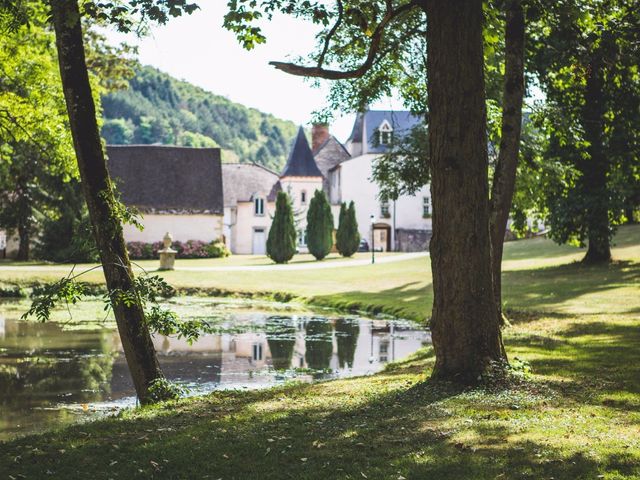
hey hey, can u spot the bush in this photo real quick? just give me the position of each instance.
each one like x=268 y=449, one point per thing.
x=348 y=237
x=188 y=249
x=218 y=250
x=319 y=226
x=281 y=244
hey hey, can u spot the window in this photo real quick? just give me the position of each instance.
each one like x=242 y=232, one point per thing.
x=426 y=207
x=258 y=206
x=384 y=209
x=257 y=352
x=386 y=133
x=302 y=238
x=303 y=197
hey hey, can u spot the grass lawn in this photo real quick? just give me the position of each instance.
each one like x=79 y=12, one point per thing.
x=576 y=416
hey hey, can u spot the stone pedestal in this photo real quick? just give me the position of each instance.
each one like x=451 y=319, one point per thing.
x=167 y=254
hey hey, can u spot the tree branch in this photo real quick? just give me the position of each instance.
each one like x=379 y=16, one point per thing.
x=333 y=30
x=376 y=40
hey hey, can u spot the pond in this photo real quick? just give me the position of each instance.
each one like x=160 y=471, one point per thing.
x=72 y=368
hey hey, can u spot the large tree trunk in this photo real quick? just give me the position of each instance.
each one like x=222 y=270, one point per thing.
x=465 y=322
x=24 y=240
x=97 y=188
x=595 y=168
x=504 y=178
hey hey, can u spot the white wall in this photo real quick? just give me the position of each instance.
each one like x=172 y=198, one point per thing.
x=357 y=186
x=182 y=227
x=295 y=186
x=245 y=222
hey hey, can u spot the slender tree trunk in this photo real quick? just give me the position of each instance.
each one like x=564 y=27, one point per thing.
x=23 y=244
x=504 y=179
x=97 y=188
x=595 y=168
x=465 y=322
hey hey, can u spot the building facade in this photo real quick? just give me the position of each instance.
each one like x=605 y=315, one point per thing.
x=175 y=189
x=189 y=193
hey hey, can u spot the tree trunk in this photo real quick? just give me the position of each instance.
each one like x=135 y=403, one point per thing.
x=97 y=188
x=465 y=322
x=504 y=178
x=23 y=245
x=595 y=168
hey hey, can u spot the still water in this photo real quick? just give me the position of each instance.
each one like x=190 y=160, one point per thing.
x=73 y=369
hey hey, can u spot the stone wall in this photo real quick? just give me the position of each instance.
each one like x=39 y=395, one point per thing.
x=408 y=240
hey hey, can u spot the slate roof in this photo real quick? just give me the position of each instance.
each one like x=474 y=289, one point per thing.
x=367 y=123
x=168 y=179
x=329 y=155
x=301 y=162
x=242 y=181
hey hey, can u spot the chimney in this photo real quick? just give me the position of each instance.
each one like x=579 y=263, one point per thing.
x=319 y=135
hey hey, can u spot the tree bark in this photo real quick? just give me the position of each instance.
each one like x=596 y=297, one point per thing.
x=97 y=189
x=465 y=322
x=23 y=245
x=504 y=178
x=595 y=168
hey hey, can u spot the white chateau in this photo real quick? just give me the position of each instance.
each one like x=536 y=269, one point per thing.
x=191 y=194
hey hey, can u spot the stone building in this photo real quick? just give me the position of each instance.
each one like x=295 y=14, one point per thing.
x=176 y=189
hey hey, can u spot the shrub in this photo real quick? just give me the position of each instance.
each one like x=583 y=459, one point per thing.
x=319 y=226
x=218 y=250
x=347 y=237
x=281 y=244
x=188 y=249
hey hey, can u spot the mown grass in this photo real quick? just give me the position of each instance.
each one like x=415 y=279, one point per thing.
x=576 y=416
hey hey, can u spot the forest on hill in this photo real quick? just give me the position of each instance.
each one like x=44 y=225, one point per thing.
x=158 y=108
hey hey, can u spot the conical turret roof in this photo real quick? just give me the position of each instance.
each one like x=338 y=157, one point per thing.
x=301 y=162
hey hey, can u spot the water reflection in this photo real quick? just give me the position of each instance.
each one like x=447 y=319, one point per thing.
x=50 y=375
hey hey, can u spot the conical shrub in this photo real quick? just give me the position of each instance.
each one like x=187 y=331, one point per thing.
x=347 y=237
x=319 y=226
x=281 y=243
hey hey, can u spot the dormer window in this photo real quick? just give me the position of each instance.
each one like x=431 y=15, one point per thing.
x=258 y=206
x=385 y=132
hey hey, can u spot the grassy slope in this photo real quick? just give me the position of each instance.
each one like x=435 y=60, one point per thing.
x=577 y=417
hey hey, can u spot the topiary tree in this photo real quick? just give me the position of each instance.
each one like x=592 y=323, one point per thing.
x=348 y=237
x=319 y=226
x=281 y=244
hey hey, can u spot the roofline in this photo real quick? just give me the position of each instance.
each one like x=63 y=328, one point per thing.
x=374 y=154
x=148 y=145
x=324 y=144
x=254 y=164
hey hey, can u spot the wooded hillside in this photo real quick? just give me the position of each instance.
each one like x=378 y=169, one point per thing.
x=157 y=108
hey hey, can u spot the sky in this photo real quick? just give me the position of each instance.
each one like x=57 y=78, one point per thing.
x=196 y=48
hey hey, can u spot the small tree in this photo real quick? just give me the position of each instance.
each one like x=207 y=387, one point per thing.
x=281 y=244
x=319 y=226
x=348 y=237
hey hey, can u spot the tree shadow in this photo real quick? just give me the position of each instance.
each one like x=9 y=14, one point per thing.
x=598 y=362
x=296 y=433
x=411 y=300
x=552 y=287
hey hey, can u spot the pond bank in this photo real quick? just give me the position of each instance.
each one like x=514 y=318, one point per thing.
x=72 y=369
x=572 y=418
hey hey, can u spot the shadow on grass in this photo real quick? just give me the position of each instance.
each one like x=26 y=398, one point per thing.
x=600 y=360
x=412 y=301
x=297 y=433
x=553 y=286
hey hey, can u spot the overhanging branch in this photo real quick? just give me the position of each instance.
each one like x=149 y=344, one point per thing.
x=376 y=39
